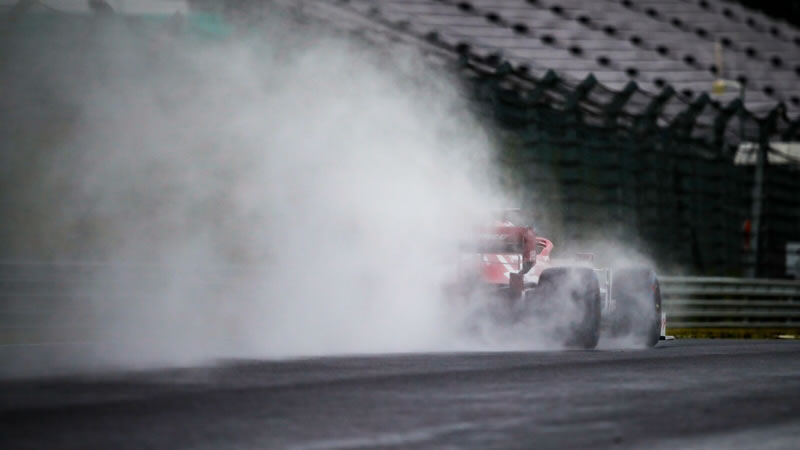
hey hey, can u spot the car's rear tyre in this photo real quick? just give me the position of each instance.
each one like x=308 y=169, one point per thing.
x=637 y=313
x=567 y=299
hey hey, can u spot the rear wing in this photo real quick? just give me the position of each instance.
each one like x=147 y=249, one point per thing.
x=508 y=239
x=492 y=245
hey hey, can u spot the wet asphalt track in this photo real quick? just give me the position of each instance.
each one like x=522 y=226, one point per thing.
x=683 y=394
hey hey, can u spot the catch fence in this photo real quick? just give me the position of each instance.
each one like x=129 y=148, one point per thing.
x=634 y=168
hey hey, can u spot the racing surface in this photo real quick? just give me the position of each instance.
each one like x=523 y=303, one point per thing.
x=682 y=394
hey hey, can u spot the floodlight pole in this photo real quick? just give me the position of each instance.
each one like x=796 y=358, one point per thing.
x=758 y=194
x=757 y=205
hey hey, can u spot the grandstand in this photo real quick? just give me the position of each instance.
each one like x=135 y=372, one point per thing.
x=654 y=43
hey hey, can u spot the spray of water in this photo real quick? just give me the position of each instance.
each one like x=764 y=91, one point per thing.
x=283 y=194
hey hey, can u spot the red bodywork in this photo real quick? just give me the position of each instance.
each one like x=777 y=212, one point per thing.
x=512 y=252
x=514 y=248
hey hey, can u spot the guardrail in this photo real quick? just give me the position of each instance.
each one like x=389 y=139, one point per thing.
x=52 y=301
x=703 y=302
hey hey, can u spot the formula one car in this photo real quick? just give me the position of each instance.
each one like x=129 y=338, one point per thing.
x=572 y=299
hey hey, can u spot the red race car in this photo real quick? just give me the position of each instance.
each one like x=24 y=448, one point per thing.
x=510 y=265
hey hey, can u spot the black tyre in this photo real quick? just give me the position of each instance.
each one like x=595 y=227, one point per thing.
x=567 y=299
x=637 y=313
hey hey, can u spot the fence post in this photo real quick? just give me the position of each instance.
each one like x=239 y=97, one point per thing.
x=721 y=122
x=616 y=104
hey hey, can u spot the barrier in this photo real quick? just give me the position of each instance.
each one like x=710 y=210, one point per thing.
x=45 y=301
x=704 y=302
